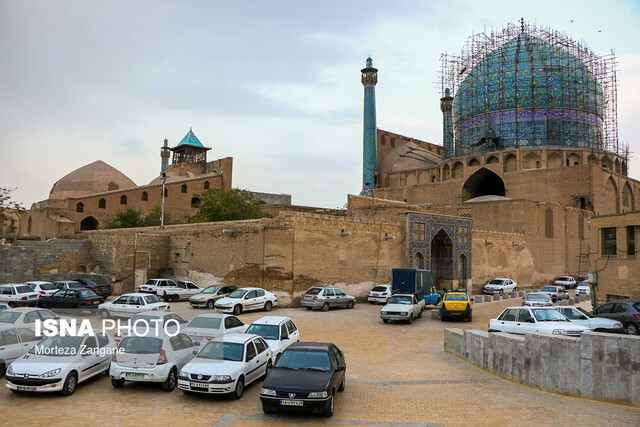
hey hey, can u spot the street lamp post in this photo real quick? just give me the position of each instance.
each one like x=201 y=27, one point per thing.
x=164 y=181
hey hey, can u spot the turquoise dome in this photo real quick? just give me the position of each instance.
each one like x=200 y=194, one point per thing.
x=528 y=93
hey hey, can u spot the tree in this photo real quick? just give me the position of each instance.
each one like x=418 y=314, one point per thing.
x=153 y=217
x=127 y=218
x=9 y=210
x=227 y=205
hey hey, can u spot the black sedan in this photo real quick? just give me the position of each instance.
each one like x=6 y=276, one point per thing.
x=99 y=288
x=71 y=298
x=626 y=311
x=306 y=377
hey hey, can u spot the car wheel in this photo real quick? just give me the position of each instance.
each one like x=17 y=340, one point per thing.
x=267 y=410
x=211 y=304
x=385 y=320
x=631 y=329
x=268 y=305
x=237 y=393
x=350 y=305
x=514 y=289
x=443 y=318
x=3 y=369
x=12 y=304
x=104 y=314
x=386 y=302
x=117 y=383
x=341 y=388
x=175 y=298
x=420 y=314
x=308 y=308
x=237 y=309
x=501 y=292
x=329 y=411
x=372 y=302
x=470 y=318
x=410 y=320
x=188 y=393
x=325 y=306
x=70 y=384
x=171 y=381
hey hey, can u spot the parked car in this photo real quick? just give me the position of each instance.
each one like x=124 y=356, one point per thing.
x=43 y=288
x=278 y=332
x=582 y=317
x=151 y=322
x=306 y=377
x=129 y=305
x=568 y=282
x=379 y=294
x=68 y=284
x=60 y=363
x=500 y=286
x=403 y=307
x=324 y=298
x=71 y=298
x=14 y=342
x=583 y=288
x=537 y=299
x=155 y=359
x=625 y=311
x=226 y=365
x=432 y=297
x=208 y=297
x=555 y=292
x=152 y=285
x=182 y=290
x=26 y=317
x=456 y=304
x=16 y=295
x=208 y=326
x=520 y=320
x=101 y=289
x=246 y=299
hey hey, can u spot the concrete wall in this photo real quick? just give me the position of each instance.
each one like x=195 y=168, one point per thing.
x=596 y=365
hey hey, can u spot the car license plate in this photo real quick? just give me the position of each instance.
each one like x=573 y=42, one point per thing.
x=291 y=402
x=96 y=302
x=26 y=388
x=134 y=375
x=199 y=385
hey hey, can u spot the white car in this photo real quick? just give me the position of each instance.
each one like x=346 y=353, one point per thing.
x=43 y=288
x=583 y=288
x=18 y=295
x=128 y=305
x=26 y=317
x=156 y=358
x=60 y=363
x=247 y=299
x=208 y=297
x=152 y=285
x=379 y=294
x=278 y=332
x=500 y=286
x=148 y=322
x=182 y=290
x=206 y=327
x=522 y=320
x=567 y=281
x=599 y=324
x=226 y=365
x=14 y=342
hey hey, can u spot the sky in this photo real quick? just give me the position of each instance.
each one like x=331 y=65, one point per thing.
x=273 y=84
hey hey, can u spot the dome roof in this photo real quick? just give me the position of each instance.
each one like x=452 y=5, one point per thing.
x=96 y=177
x=528 y=92
x=409 y=156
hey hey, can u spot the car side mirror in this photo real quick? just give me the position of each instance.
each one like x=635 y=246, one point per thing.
x=472 y=299
x=340 y=368
x=195 y=352
x=196 y=343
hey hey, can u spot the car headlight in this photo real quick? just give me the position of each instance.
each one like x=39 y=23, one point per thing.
x=404 y=313
x=267 y=392
x=223 y=378
x=384 y=312
x=318 y=394
x=617 y=325
x=559 y=332
x=183 y=374
x=50 y=373
x=10 y=370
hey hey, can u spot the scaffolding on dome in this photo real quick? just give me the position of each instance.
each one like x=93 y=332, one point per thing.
x=600 y=97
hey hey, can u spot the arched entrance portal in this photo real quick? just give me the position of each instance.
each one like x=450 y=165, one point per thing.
x=483 y=183
x=89 y=223
x=441 y=262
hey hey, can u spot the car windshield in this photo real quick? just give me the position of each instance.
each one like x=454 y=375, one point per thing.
x=538 y=297
x=75 y=285
x=221 y=350
x=268 y=332
x=313 y=291
x=150 y=282
x=563 y=279
x=23 y=289
x=205 y=322
x=48 y=286
x=304 y=360
x=377 y=289
x=548 y=289
x=548 y=316
x=8 y=317
x=237 y=294
x=151 y=299
x=455 y=297
x=140 y=345
x=496 y=282
x=86 y=293
x=58 y=346
x=211 y=290
x=400 y=300
x=572 y=313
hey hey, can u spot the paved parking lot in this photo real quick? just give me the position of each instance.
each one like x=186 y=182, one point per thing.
x=397 y=374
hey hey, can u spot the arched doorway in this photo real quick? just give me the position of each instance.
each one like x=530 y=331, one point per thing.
x=419 y=260
x=441 y=254
x=89 y=223
x=483 y=183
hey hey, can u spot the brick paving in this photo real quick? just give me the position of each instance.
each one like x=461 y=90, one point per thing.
x=397 y=374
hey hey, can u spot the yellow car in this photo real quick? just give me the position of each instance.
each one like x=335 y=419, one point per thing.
x=456 y=304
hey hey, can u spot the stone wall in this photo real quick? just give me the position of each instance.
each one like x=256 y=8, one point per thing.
x=596 y=365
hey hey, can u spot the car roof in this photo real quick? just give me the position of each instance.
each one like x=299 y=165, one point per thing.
x=135 y=294
x=13 y=284
x=271 y=320
x=533 y=308
x=155 y=313
x=236 y=338
x=629 y=301
x=213 y=315
x=37 y=282
x=456 y=292
x=500 y=278
x=312 y=346
x=537 y=293
x=24 y=309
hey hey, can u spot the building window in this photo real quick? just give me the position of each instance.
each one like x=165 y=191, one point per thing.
x=609 y=241
x=206 y=185
x=80 y=207
x=183 y=189
x=195 y=201
x=112 y=186
x=102 y=204
x=123 y=200
x=145 y=196
x=548 y=223
x=631 y=241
